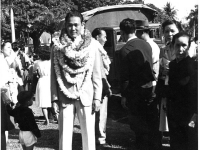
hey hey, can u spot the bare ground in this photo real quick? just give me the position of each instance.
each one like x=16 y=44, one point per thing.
x=119 y=135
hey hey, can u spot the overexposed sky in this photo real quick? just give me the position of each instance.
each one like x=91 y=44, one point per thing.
x=183 y=7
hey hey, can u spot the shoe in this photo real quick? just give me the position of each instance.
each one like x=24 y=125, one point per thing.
x=101 y=142
x=103 y=145
x=52 y=121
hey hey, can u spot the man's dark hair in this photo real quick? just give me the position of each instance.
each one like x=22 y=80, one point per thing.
x=182 y=34
x=24 y=96
x=15 y=46
x=73 y=14
x=127 y=25
x=44 y=52
x=96 y=32
x=146 y=30
x=169 y=22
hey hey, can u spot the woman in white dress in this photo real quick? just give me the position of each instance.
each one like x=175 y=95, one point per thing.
x=42 y=95
x=15 y=73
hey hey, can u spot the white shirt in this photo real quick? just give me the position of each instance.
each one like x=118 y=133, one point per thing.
x=133 y=37
x=155 y=57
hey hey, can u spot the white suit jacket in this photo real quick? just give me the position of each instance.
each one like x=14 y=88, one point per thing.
x=92 y=88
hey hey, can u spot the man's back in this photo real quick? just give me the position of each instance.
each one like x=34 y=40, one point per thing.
x=133 y=57
x=137 y=44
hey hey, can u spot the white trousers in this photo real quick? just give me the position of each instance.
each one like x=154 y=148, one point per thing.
x=100 y=124
x=66 y=125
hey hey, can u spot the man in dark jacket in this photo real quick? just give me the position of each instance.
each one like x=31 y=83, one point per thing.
x=136 y=78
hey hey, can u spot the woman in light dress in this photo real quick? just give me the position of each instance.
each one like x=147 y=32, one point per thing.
x=167 y=54
x=42 y=95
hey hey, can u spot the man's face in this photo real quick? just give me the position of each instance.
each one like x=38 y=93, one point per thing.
x=181 y=47
x=102 y=38
x=74 y=27
x=170 y=31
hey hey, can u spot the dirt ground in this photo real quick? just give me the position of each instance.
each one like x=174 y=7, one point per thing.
x=119 y=135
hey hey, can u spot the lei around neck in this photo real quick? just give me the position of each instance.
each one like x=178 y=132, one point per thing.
x=73 y=58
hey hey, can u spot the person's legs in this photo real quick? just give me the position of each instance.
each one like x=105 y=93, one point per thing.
x=178 y=137
x=45 y=113
x=50 y=115
x=3 y=140
x=24 y=147
x=193 y=137
x=6 y=134
x=30 y=147
x=140 y=119
x=55 y=113
x=152 y=119
x=66 y=124
x=100 y=124
x=87 y=123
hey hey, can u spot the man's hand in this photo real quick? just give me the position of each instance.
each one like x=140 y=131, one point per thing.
x=165 y=72
x=123 y=103
x=96 y=106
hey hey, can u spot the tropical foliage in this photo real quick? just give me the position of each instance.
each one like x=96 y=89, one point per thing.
x=170 y=11
x=161 y=16
x=5 y=18
x=33 y=17
x=134 y=2
x=193 y=21
x=85 y=5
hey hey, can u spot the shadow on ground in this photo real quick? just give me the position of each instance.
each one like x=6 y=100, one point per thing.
x=115 y=110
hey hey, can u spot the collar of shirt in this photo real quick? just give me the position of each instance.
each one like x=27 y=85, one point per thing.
x=149 y=40
x=133 y=37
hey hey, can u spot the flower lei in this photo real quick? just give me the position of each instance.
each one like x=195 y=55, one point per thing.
x=105 y=59
x=73 y=58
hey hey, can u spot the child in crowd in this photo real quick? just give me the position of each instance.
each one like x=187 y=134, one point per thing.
x=23 y=115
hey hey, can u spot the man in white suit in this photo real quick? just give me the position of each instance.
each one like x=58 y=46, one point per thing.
x=76 y=81
x=101 y=116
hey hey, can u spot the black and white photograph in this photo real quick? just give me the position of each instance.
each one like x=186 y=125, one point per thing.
x=99 y=75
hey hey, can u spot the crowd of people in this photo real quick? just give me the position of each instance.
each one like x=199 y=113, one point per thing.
x=23 y=73
x=158 y=85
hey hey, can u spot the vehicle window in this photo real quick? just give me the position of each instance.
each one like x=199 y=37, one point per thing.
x=119 y=39
x=109 y=47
